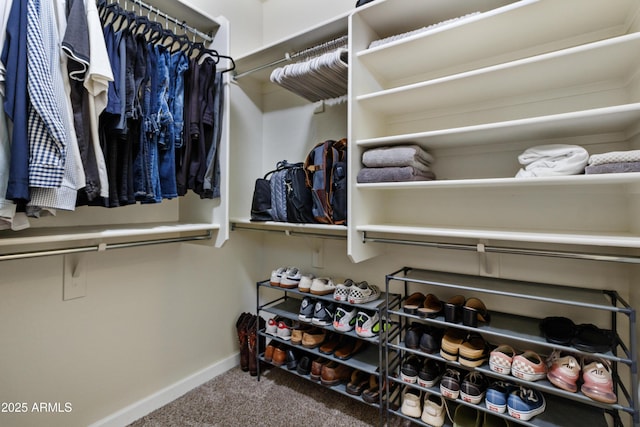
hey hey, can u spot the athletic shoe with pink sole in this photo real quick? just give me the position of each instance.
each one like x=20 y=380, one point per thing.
x=597 y=381
x=564 y=371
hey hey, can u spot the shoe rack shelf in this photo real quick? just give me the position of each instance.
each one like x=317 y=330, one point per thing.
x=287 y=306
x=562 y=408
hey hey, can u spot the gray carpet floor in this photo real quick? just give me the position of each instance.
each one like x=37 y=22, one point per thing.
x=280 y=399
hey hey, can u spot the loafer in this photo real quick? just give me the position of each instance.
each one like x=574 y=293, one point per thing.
x=529 y=366
x=501 y=359
x=304 y=366
x=298 y=332
x=316 y=367
x=334 y=373
x=431 y=306
x=313 y=338
x=473 y=351
x=474 y=311
x=413 y=302
x=350 y=347
x=473 y=387
x=430 y=340
x=291 y=360
x=358 y=382
x=453 y=309
x=413 y=335
x=279 y=355
x=331 y=343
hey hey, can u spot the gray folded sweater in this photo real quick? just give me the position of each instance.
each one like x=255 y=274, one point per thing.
x=621 y=167
x=393 y=174
x=398 y=155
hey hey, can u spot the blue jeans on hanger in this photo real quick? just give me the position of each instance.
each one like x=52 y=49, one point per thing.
x=165 y=122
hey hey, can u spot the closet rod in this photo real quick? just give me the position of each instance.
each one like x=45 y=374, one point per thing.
x=288 y=232
x=183 y=24
x=514 y=251
x=101 y=247
x=331 y=44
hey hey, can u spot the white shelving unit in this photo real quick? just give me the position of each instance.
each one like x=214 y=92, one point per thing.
x=179 y=218
x=475 y=93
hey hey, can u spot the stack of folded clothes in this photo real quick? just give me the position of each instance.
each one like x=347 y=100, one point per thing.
x=614 y=162
x=396 y=164
x=552 y=160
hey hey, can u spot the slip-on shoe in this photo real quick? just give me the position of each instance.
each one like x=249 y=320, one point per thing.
x=316 y=367
x=413 y=302
x=304 y=366
x=334 y=373
x=453 y=309
x=474 y=311
x=313 y=337
x=349 y=347
x=473 y=352
x=372 y=393
x=451 y=342
x=431 y=306
x=358 y=382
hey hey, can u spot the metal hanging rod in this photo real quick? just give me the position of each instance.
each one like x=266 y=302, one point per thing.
x=481 y=248
x=101 y=247
x=312 y=51
x=288 y=232
x=183 y=24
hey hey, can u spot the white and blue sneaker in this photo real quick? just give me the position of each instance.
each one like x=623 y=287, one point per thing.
x=344 y=320
x=496 y=395
x=525 y=403
x=323 y=314
x=307 y=307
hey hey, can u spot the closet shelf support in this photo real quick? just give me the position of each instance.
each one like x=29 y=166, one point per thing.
x=626 y=259
x=101 y=247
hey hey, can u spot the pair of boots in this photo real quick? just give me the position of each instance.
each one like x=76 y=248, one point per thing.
x=247 y=327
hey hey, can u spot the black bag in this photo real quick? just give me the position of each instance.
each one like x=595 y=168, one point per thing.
x=299 y=201
x=261 y=202
x=326 y=171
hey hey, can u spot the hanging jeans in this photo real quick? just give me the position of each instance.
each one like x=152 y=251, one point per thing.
x=165 y=121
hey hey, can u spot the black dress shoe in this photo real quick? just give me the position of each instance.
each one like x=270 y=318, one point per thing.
x=292 y=360
x=304 y=366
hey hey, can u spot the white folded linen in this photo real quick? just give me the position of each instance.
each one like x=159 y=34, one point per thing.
x=552 y=160
x=615 y=157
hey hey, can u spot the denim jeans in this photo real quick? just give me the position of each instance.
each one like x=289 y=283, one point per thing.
x=165 y=122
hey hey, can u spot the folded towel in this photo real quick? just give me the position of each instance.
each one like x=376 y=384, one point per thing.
x=615 y=157
x=398 y=155
x=393 y=174
x=552 y=160
x=621 y=167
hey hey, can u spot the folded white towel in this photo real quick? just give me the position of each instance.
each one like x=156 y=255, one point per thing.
x=615 y=157
x=552 y=160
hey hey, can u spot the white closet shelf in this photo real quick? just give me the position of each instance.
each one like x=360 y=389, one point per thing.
x=577 y=180
x=620 y=240
x=286 y=227
x=43 y=235
x=603 y=65
x=503 y=34
x=622 y=119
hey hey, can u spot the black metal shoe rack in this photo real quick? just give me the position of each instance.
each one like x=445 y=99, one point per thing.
x=563 y=408
x=370 y=360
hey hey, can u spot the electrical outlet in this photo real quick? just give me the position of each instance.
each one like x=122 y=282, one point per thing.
x=75 y=277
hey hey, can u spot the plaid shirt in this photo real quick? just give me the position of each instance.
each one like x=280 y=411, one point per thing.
x=47 y=134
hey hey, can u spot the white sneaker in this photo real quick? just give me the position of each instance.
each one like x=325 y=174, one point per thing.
x=305 y=282
x=276 y=276
x=363 y=292
x=322 y=286
x=344 y=320
x=411 y=399
x=291 y=278
x=342 y=290
x=433 y=411
x=365 y=324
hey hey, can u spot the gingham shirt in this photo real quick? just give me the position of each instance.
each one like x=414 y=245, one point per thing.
x=47 y=134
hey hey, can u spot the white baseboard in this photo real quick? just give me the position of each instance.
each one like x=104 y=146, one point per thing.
x=157 y=400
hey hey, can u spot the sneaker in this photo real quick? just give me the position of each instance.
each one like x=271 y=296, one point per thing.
x=285 y=326
x=323 y=314
x=497 y=394
x=307 y=307
x=305 y=282
x=411 y=399
x=501 y=359
x=272 y=326
x=525 y=403
x=342 y=290
x=598 y=383
x=322 y=286
x=473 y=387
x=450 y=383
x=563 y=371
x=433 y=410
x=276 y=276
x=366 y=324
x=409 y=369
x=363 y=292
x=344 y=320
x=291 y=278
x=529 y=366
x=430 y=372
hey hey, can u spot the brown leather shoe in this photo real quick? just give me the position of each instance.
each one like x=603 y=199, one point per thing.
x=431 y=306
x=334 y=373
x=316 y=368
x=279 y=355
x=349 y=347
x=372 y=394
x=313 y=338
x=268 y=352
x=298 y=332
x=331 y=343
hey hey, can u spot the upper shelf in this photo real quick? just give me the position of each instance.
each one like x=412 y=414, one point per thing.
x=599 y=66
x=503 y=34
